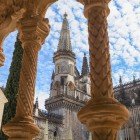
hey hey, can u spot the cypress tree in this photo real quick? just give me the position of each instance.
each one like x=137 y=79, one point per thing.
x=12 y=85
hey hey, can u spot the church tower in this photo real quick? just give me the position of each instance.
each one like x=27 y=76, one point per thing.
x=64 y=60
x=69 y=91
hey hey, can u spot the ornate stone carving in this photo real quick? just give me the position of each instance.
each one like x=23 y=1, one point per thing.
x=2 y=57
x=9 y=15
x=103 y=115
x=105 y=134
x=11 y=11
x=33 y=30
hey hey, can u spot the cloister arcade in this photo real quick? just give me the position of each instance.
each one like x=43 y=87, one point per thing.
x=103 y=115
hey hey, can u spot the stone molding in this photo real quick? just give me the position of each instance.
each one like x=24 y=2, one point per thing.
x=64 y=101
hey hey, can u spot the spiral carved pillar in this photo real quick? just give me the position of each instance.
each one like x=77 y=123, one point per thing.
x=2 y=57
x=103 y=115
x=33 y=31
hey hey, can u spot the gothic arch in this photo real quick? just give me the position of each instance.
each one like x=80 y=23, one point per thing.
x=56 y=85
x=11 y=12
x=71 y=85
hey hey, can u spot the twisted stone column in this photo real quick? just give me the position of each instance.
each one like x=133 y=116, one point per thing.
x=33 y=31
x=103 y=115
x=2 y=57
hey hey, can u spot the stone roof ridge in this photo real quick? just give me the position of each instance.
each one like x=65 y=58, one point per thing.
x=64 y=40
x=85 y=67
x=137 y=81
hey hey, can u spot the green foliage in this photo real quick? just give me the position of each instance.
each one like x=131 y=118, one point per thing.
x=12 y=85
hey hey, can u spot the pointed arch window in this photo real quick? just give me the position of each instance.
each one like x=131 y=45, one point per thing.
x=58 y=69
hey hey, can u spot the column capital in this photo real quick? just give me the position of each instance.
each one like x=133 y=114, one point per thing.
x=90 y=4
x=8 y=19
x=33 y=30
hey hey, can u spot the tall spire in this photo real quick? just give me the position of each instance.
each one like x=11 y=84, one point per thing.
x=85 y=67
x=64 y=41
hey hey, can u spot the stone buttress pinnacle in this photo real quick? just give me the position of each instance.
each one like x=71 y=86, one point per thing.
x=85 y=67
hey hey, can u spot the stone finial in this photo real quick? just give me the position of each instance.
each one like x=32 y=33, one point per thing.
x=65 y=15
x=36 y=103
x=120 y=80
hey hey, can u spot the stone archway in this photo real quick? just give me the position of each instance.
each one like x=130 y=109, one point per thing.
x=103 y=115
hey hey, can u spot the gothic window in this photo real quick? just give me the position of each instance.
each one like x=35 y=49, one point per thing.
x=58 y=69
x=55 y=134
x=71 y=86
x=56 y=88
x=77 y=98
x=63 y=80
x=64 y=69
x=71 y=71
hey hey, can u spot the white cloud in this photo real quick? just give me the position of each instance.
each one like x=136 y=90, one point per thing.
x=42 y=96
x=124 y=33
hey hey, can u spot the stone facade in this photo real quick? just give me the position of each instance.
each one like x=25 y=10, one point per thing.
x=70 y=90
x=48 y=124
x=129 y=95
x=3 y=100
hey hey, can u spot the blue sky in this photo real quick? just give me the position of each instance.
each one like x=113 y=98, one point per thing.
x=124 y=34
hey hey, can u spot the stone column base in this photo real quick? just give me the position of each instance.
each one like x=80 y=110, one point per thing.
x=104 y=117
x=21 y=130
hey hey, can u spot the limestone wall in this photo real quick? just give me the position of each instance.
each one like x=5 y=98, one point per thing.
x=3 y=100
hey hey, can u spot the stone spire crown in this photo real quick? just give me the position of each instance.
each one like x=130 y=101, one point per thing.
x=120 y=80
x=85 y=67
x=64 y=41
